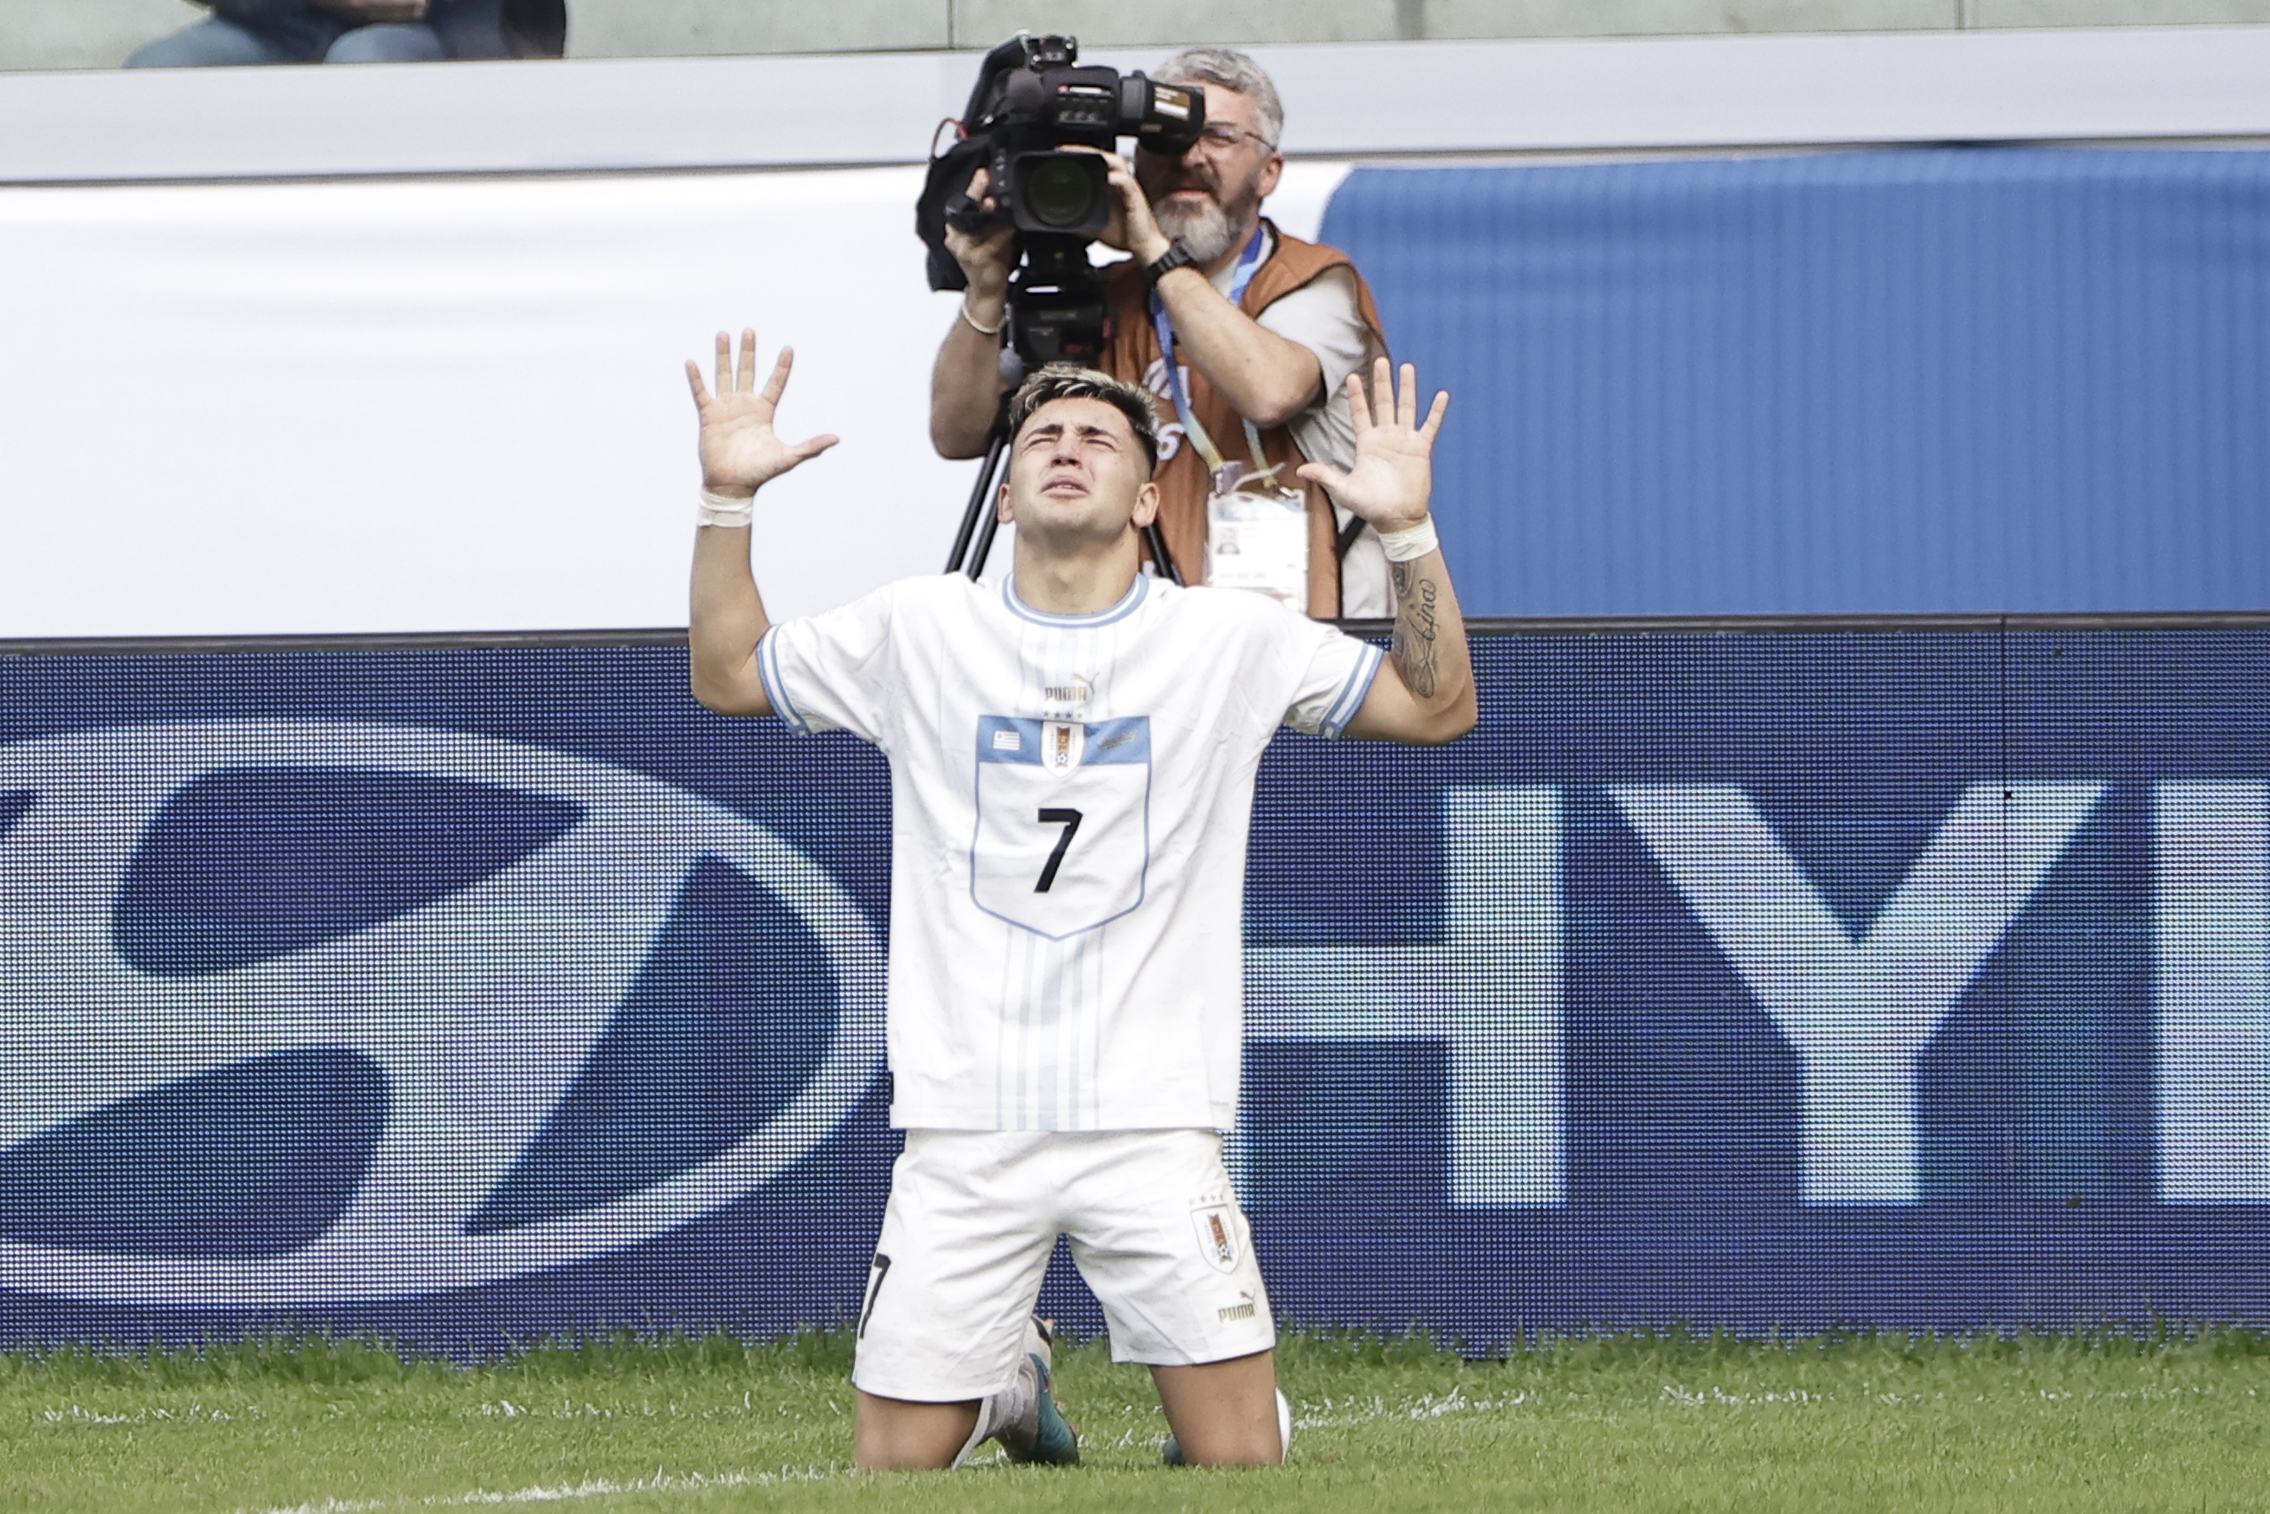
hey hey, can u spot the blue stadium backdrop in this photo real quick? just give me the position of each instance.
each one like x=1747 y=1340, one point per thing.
x=1916 y=975
x=1960 y=379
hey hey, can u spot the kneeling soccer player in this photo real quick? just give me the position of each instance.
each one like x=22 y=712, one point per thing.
x=1072 y=769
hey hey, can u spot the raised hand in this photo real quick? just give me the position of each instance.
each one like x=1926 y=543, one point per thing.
x=1393 y=478
x=740 y=452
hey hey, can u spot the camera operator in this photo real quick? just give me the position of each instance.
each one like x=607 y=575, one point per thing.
x=1266 y=328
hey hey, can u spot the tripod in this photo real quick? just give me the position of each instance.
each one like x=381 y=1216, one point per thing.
x=973 y=543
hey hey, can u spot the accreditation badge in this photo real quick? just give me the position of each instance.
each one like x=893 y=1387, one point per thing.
x=1257 y=539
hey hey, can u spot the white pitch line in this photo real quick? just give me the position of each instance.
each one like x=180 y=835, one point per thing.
x=1323 y=1415
x=1327 y=1415
x=660 y=1482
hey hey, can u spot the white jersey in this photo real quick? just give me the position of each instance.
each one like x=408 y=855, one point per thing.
x=1071 y=796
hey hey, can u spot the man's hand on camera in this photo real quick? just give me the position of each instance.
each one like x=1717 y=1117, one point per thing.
x=1393 y=478
x=740 y=452
x=985 y=258
x=1132 y=227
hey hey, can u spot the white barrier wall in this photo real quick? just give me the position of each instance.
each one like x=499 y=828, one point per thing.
x=452 y=404
x=300 y=389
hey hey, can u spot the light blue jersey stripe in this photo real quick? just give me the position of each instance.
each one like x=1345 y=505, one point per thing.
x=768 y=670
x=1352 y=697
x=1120 y=611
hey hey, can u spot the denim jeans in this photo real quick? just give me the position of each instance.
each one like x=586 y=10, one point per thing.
x=467 y=29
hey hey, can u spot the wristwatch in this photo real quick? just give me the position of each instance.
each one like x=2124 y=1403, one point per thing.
x=1177 y=256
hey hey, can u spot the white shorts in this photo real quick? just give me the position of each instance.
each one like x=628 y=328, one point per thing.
x=1156 y=1231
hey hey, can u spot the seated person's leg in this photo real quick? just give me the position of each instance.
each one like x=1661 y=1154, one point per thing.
x=216 y=42
x=389 y=42
x=470 y=28
x=1158 y=1234
x=942 y=1329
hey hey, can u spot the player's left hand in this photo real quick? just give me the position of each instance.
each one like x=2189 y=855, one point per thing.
x=740 y=452
x=1393 y=478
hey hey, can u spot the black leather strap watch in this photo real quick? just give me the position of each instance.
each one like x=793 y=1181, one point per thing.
x=1176 y=256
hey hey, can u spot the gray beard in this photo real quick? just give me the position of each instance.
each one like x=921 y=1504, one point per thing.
x=1204 y=228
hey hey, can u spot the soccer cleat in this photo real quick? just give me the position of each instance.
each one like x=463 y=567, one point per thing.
x=1042 y=1434
x=1175 y=1458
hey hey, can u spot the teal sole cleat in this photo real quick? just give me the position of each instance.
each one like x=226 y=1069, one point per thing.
x=1056 y=1443
x=1044 y=1437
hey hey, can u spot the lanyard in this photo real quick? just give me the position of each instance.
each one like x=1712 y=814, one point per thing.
x=1248 y=262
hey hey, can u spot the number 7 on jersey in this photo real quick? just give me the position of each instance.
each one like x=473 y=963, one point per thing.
x=1062 y=843
x=1070 y=820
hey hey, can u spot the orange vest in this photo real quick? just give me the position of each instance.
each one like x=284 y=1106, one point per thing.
x=1184 y=484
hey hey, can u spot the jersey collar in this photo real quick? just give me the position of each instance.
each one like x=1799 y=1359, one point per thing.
x=1126 y=606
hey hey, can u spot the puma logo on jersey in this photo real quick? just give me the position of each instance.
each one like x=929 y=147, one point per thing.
x=1229 y=1312
x=1068 y=693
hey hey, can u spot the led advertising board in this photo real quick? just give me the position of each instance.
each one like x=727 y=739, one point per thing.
x=1912 y=974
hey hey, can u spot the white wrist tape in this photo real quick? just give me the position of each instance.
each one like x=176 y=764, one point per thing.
x=1404 y=545
x=723 y=510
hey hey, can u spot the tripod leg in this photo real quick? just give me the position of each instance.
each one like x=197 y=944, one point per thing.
x=1159 y=553
x=984 y=548
x=981 y=497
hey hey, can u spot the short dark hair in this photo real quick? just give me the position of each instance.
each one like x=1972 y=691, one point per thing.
x=1066 y=381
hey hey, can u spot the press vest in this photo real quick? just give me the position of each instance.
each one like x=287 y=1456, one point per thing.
x=1182 y=479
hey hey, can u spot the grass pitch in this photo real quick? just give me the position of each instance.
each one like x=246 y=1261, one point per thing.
x=1613 y=1423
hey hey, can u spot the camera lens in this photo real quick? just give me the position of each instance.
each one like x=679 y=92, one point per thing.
x=1060 y=191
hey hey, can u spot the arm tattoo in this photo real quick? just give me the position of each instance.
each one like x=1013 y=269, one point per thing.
x=1415 y=629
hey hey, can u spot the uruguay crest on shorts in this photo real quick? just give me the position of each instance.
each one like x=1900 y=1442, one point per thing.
x=1216 y=1225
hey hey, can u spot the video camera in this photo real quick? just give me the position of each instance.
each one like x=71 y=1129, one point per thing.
x=1031 y=102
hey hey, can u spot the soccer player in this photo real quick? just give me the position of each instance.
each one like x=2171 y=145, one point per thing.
x=1072 y=759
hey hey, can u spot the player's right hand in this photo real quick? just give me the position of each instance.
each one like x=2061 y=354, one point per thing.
x=740 y=451
x=986 y=257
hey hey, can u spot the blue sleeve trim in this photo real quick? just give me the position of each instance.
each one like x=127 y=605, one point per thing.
x=768 y=669
x=1353 y=696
